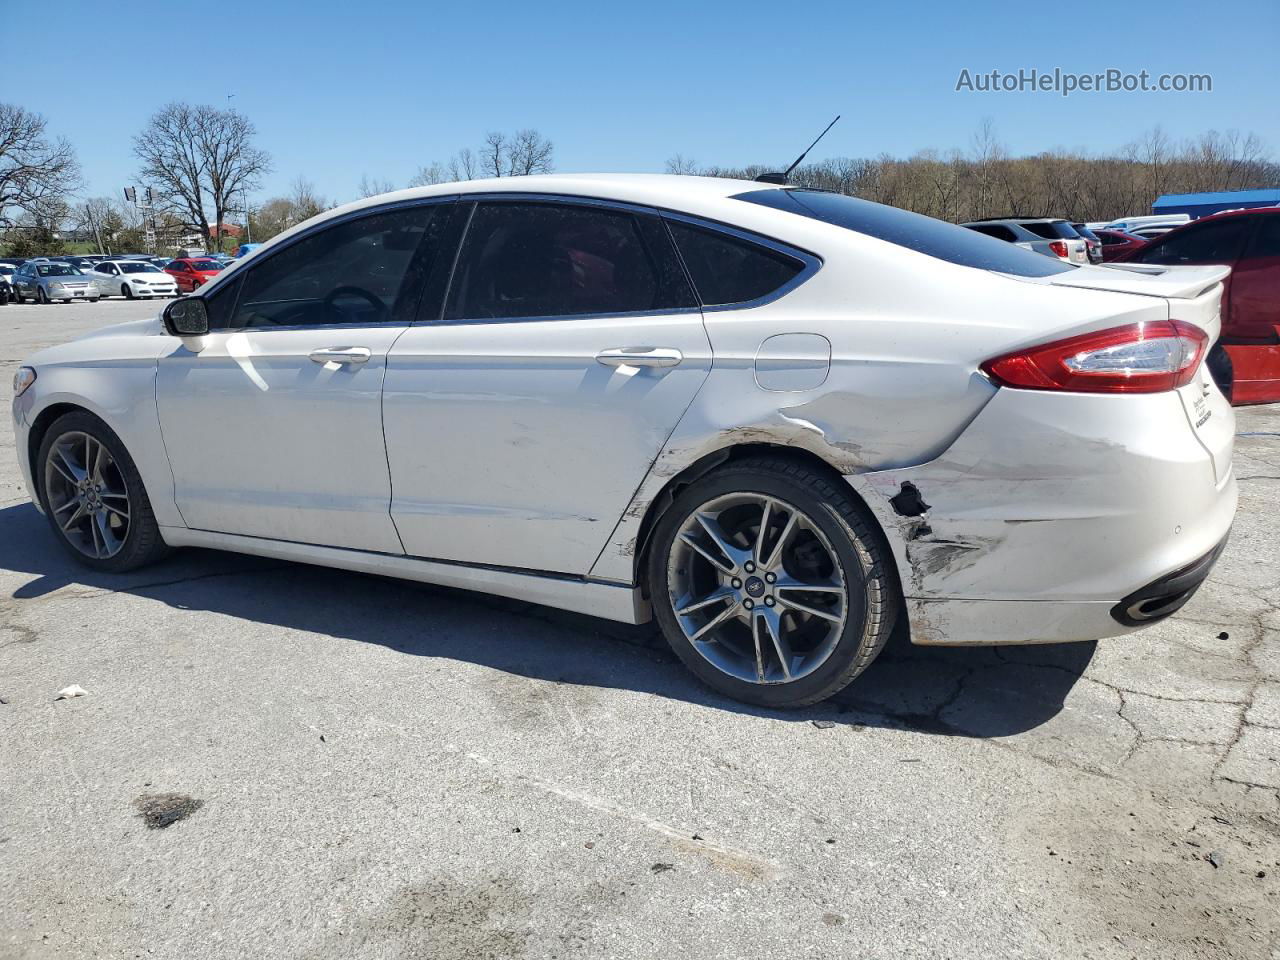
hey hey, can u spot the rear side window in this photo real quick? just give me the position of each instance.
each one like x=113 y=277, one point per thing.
x=354 y=272
x=727 y=270
x=1266 y=242
x=1217 y=241
x=560 y=260
x=934 y=238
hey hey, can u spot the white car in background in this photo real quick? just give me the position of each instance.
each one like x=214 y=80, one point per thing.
x=133 y=279
x=777 y=420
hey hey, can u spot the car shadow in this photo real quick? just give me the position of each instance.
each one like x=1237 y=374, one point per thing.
x=971 y=692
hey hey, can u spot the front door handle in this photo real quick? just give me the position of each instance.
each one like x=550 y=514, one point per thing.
x=341 y=355
x=640 y=357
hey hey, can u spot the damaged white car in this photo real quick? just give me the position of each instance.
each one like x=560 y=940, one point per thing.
x=776 y=420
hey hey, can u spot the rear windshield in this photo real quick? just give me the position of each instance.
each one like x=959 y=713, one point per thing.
x=935 y=238
x=1052 y=229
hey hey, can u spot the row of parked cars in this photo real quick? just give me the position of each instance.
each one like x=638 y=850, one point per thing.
x=93 y=277
x=1246 y=360
x=1078 y=242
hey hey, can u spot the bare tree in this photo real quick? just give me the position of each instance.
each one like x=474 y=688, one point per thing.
x=36 y=172
x=194 y=154
x=278 y=214
x=305 y=203
x=682 y=165
x=429 y=175
x=371 y=187
x=493 y=156
x=463 y=165
x=528 y=152
x=233 y=165
x=94 y=216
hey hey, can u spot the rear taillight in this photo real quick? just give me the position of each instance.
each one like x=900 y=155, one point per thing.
x=1136 y=358
x=1059 y=248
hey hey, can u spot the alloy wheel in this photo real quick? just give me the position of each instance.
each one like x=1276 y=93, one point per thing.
x=86 y=495
x=757 y=588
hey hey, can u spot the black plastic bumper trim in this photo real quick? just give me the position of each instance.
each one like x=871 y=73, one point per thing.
x=1165 y=596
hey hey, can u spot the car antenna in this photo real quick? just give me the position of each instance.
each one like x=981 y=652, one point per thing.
x=782 y=177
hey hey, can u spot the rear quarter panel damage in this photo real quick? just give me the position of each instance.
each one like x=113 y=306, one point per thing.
x=1032 y=496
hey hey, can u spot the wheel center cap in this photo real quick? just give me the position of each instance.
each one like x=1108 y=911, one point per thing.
x=755 y=587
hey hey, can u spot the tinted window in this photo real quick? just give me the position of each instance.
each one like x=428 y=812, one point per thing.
x=728 y=270
x=999 y=231
x=352 y=272
x=221 y=303
x=934 y=238
x=557 y=260
x=1217 y=241
x=1053 y=230
x=1266 y=242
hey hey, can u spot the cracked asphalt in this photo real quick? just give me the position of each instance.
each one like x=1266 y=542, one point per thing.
x=282 y=761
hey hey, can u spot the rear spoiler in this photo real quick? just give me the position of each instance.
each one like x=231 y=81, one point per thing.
x=1176 y=283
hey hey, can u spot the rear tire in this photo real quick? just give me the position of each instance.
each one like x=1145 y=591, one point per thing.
x=828 y=610
x=117 y=544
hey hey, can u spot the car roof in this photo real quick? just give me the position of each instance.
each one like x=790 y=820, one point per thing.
x=647 y=189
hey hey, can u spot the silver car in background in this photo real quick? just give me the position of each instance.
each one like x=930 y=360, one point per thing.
x=1050 y=236
x=46 y=281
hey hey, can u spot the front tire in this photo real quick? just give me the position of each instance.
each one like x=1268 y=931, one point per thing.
x=126 y=291
x=93 y=496
x=782 y=616
x=42 y=297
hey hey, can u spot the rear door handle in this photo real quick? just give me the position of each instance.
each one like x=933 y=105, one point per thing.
x=350 y=355
x=640 y=357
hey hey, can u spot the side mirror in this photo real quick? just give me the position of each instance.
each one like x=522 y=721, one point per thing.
x=186 y=317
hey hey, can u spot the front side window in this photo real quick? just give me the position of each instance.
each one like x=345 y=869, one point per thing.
x=353 y=272
x=558 y=260
x=1214 y=242
x=726 y=270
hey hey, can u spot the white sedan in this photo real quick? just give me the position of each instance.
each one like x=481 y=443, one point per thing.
x=132 y=279
x=779 y=421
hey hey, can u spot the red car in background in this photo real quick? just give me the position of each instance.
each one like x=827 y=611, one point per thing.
x=1246 y=360
x=192 y=272
x=1117 y=242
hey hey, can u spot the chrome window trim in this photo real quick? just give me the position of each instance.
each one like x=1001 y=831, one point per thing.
x=812 y=263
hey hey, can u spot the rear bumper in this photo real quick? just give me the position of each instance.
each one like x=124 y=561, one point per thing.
x=1052 y=509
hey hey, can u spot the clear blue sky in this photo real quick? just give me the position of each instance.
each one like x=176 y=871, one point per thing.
x=338 y=90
